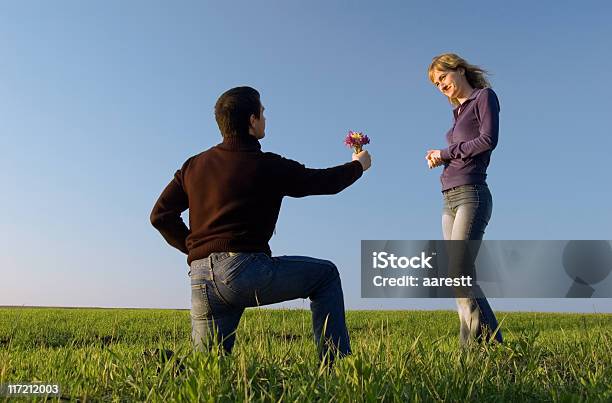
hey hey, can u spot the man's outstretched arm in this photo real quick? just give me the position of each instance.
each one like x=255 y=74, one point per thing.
x=299 y=181
x=166 y=214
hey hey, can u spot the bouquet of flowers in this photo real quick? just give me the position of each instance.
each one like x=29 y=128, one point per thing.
x=356 y=140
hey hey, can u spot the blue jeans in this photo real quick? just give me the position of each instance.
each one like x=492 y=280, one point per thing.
x=466 y=213
x=224 y=284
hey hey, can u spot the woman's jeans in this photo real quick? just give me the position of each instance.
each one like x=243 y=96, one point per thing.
x=466 y=213
x=224 y=284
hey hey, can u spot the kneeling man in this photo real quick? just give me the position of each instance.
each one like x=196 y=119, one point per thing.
x=234 y=192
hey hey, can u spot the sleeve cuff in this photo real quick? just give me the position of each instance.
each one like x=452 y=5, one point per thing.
x=357 y=163
x=445 y=155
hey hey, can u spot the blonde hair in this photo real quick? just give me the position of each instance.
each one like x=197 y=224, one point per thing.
x=476 y=76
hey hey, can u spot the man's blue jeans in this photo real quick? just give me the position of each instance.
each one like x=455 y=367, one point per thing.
x=224 y=284
x=466 y=213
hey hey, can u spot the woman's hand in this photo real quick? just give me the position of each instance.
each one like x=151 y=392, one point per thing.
x=434 y=159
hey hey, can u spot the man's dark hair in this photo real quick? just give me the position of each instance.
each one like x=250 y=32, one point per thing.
x=234 y=108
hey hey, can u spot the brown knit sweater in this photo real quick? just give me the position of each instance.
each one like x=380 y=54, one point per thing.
x=233 y=192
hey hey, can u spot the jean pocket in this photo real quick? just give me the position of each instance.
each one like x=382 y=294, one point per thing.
x=200 y=305
x=254 y=273
x=467 y=196
x=234 y=266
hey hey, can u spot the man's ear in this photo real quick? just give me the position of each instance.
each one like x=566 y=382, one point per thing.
x=252 y=119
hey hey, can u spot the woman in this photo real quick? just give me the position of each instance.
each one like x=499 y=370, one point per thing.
x=467 y=200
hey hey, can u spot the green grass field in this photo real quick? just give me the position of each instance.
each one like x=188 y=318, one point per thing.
x=100 y=354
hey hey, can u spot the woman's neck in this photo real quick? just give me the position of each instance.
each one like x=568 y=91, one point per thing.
x=465 y=94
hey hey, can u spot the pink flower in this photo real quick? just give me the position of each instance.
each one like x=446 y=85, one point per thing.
x=356 y=140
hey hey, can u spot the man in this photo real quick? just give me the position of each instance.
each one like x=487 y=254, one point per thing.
x=233 y=192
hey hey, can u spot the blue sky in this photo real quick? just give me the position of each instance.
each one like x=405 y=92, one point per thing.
x=103 y=101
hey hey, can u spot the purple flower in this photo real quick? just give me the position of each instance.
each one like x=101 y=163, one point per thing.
x=356 y=140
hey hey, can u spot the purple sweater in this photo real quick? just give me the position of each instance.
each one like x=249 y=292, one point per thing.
x=471 y=140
